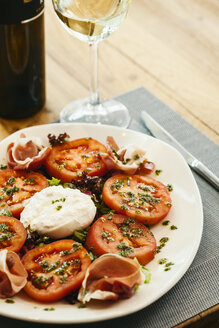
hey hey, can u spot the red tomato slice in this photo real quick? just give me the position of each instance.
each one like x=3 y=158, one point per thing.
x=12 y=234
x=121 y=235
x=17 y=186
x=139 y=197
x=55 y=270
x=69 y=160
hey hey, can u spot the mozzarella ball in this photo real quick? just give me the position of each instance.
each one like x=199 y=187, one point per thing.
x=57 y=212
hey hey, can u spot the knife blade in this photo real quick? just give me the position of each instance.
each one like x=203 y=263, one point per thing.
x=160 y=133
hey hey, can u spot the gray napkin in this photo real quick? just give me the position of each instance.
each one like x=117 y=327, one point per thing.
x=199 y=287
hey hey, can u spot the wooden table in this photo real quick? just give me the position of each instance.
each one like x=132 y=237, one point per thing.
x=170 y=47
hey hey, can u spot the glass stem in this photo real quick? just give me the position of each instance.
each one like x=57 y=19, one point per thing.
x=94 y=93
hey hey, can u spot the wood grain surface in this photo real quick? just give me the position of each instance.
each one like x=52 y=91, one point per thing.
x=170 y=47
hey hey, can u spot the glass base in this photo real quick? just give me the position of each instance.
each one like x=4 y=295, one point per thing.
x=108 y=112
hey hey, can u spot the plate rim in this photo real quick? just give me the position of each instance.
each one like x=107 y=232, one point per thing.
x=173 y=281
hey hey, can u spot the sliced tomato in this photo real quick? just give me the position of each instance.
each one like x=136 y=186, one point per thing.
x=18 y=186
x=55 y=270
x=121 y=235
x=139 y=197
x=69 y=160
x=12 y=234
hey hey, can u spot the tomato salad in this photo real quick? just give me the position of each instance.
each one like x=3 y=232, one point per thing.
x=127 y=202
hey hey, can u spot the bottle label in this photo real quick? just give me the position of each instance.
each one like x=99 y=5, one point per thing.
x=20 y=11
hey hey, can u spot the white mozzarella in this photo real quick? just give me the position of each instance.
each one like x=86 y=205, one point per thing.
x=57 y=212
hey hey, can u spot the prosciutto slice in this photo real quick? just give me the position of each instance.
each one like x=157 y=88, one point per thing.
x=110 y=277
x=13 y=275
x=127 y=159
x=26 y=153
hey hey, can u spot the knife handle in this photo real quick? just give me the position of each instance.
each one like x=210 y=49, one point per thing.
x=202 y=170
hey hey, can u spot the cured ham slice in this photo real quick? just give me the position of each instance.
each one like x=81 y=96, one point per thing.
x=26 y=153
x=127 y=159
x=13 y=275
x=110 y=277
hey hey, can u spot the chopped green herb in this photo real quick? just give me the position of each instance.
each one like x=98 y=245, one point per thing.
x=81 y=306
x=63 y=280
x=125 y=249
x=110 y=216
x=147 y=278
x=41 y=281
x=11 y=191
x=158 y=172
x=49 y=309
x=162 y=261
x=59 y=207
x=77 y=261
x=54 y=182
x=9 y=301
x=147 y=198
x=6 y=236
x=115 y=154
x=173 y=227
x=49 y=267
x=162 y=244
x=169 y=264
x=4 y=227
x=136 y=157
x=120 y=183
x=80 y=235
x=76 y=246
x=136 y=288
x=128 y=221
x=105 y=234
x=44 y=264
x=59 y=200
x=164 y=240
x=66 y=252
x=61 y=166
x=165 y=223
x=168 y=204
x=123 y=207
x=61 y=270
x=126 y=161
x=3 y=166
x=92 y=256
x=167 y=269
x=146 y=187
x=85 y=156
x=5 y=212
x=170 y=187
x=11 y=180
x=29 y=180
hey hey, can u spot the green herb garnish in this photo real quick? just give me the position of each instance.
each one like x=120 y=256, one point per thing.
x=158 y=172
x=54 y=182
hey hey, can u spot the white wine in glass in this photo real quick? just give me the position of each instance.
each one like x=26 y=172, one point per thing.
x=92 y=21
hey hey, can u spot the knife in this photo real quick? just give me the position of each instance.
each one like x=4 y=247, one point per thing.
x=160 y=133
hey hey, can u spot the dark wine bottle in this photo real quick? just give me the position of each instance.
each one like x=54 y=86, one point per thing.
x=22 y=58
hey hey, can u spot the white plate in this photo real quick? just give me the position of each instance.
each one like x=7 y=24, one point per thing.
x=186 y=213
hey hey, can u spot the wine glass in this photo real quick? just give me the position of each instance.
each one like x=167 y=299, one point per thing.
x=93 y=21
